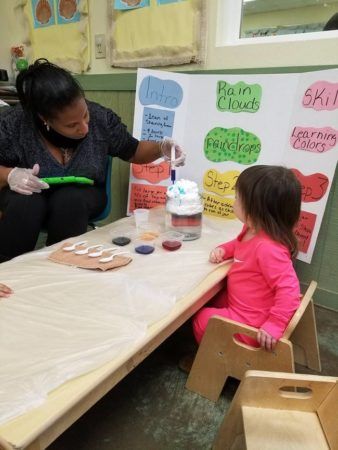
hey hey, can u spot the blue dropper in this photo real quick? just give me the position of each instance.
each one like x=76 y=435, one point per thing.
x=172 y=166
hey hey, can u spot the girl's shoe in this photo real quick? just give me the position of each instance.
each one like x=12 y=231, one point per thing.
x=185 y=363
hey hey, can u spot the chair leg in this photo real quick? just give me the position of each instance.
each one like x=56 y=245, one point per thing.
x=305 y=341
x=208 y=372
x=230 y=435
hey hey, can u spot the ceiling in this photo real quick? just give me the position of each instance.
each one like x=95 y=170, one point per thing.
x=259 y=6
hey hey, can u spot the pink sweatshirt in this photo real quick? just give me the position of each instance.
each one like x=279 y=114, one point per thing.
x=262 y=286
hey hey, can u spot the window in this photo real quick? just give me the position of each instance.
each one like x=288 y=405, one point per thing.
x=281 y=17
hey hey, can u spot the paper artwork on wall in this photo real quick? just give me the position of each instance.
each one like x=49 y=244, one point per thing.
x=67 y=46
x=43 y=13
x=166 y=2
x=67 y=11
x=226 y=123
x=164 y=33
x=130 y=4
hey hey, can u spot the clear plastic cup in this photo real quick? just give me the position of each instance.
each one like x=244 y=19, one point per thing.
x=148 y=231
x=122 y=235
x=171 y=240
x=144 y=247
x=141 y=215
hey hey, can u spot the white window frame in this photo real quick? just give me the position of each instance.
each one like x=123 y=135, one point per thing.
x=224 y=42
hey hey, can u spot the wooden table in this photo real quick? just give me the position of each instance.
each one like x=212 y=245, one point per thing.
x=39 y=427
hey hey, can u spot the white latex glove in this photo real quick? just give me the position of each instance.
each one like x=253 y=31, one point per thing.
x=25 y=181
x=166 y=145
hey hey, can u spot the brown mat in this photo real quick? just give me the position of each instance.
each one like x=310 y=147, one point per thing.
x=85 y=262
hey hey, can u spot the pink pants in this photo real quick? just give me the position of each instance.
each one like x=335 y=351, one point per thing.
x=218 y=307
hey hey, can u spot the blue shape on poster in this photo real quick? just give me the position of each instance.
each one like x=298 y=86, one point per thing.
x=165 y=2
x=166 y=93
x=130 y=4
x=156 y=124
x=70 y=14
x=43 y=13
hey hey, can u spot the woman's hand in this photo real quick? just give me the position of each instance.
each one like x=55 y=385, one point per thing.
x=166 y=145
x=265 y=340
x=5 y=291
x=217 y=255
x=25 y=181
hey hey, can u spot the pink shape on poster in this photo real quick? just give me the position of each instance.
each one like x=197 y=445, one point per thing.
x=316 y=140
x=321 y=95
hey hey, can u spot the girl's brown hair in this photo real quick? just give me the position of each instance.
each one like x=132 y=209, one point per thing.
x=271 y=199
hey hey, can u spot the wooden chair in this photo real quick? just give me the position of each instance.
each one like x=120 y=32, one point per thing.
x=220 y=355
x=281 y=411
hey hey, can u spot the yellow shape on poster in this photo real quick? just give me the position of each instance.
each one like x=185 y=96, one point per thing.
x=217 y=206
x=220 y=183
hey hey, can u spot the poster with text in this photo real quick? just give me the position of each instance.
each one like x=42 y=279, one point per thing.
x=225 y=123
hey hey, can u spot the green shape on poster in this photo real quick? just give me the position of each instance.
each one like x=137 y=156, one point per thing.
x=239 y=97
x=233 y=144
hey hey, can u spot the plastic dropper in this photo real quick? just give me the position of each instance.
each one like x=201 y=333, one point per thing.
x=172 y=165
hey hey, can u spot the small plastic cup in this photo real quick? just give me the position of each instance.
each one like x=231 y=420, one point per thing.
x=122 y=236
x=171 y=240
x=144 y=247
x=141 y=215
x=148 y=231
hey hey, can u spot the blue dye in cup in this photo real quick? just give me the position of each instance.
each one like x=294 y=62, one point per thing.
x=144 y=249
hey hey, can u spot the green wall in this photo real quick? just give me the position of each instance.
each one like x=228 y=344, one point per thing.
x=117 y=91
x=122 y=102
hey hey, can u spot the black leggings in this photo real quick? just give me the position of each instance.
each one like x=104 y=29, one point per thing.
x=64 y=211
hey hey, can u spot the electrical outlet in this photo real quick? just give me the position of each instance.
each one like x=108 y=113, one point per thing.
x=100 y=46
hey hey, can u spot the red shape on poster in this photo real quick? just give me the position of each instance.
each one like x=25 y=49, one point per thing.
x=314 y=186
x=144 y=196
x=154 y=173
x=304 y=230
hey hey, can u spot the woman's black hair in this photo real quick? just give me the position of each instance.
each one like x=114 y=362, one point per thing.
x=271 y=199
x=332 y=23
x=45 y=89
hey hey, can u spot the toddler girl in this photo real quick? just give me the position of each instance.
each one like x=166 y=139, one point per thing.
x=262 y=286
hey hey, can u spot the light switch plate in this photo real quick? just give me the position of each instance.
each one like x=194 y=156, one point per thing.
x=100 y=46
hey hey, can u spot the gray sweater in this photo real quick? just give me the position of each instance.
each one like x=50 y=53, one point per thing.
x=22 y=146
